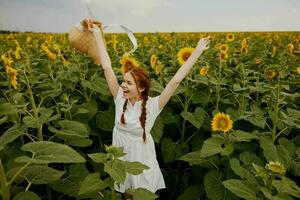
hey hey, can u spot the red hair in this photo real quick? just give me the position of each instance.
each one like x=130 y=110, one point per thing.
x=142 y=80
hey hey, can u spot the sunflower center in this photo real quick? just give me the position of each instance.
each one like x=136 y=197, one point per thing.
x=222 y=56
x=222 y=123
x=275 y=168
x=128 y=63
x=185 y=56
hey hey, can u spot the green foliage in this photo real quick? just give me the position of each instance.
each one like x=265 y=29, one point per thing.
x=56 y=123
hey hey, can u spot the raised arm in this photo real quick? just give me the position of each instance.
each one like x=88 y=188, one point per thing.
x=182 y=72
x=109 y=74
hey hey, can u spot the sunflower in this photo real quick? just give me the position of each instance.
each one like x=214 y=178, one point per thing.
x=29 y=40
x=244 y=49
x=203 y=71
x=223 y=47
x=276 y=167
x=184 y=54
x=223 y=56
x=274 y=51
x=127 y=62
x=229 y=37
x=17 y=53
x=157 y=69
x=7 y=59
x=221 y=122
x=49 y=53
x=270 y=74
x=12 y=73
x=244 y=42
x=65 y=60
x=153 y=61
x=257 y=61
x=291 y=48
x=276 y=37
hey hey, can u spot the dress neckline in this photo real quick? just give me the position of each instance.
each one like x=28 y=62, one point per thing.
x=139 y=101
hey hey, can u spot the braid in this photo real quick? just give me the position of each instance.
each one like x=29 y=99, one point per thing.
x=143 y=116
x=124 y=109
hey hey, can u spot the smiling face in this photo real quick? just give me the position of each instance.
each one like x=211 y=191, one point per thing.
x=129 y=87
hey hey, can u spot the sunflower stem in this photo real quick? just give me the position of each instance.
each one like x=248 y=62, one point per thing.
x=186 y=105
x=31 y=97
x=4 y=186
x=218 y=86
x=276 y=110
x=18 y=173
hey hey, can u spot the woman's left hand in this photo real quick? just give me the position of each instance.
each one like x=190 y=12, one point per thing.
x=93 y=27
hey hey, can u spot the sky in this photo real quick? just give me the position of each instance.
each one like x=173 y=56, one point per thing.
x=152 y=15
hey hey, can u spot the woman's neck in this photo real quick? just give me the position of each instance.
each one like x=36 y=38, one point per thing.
x=134 y=100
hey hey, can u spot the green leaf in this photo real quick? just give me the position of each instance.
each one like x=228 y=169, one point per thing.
x=27 y=195
x=31 y=122
x=156 y=86
x=288 y=186
x=38 y=174
x=50 y=152
x=241 y=136
x=212 y=146
x=85 y=112
x=171 y=150
x=135 y=168
x=289 y=145
x=157 y=130
x=240 y=188
x=196 y=118
x=194 y=158
x=141 y=194
x=115 y=151
x=291 y=117
x=116 y=169
x=227 y=150
x=10 y=135
x=99 y=86
x=256 y=116
x=105 y=120
x=8 y=109
x=213 y=186
x=79 y=142
x=98 y=157
x=274 y=152
x=72 y=182
x=71 y=130
x=283 y=196
x=249 y=158
x=192 y=193
x=45 y=114
x=91 y=184
x=241 y=171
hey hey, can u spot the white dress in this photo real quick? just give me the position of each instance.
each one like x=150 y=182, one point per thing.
x=129 y=136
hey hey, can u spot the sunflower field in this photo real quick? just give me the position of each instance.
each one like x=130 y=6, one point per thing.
x=231 y=130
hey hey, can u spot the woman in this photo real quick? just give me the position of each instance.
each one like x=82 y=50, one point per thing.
x=136 y=113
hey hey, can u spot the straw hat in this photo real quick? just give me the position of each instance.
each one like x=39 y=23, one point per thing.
x=84 y=40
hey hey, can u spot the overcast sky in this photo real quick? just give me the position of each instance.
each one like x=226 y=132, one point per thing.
x=153 y=15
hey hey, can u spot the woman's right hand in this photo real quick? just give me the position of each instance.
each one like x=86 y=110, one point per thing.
x=203 y=43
